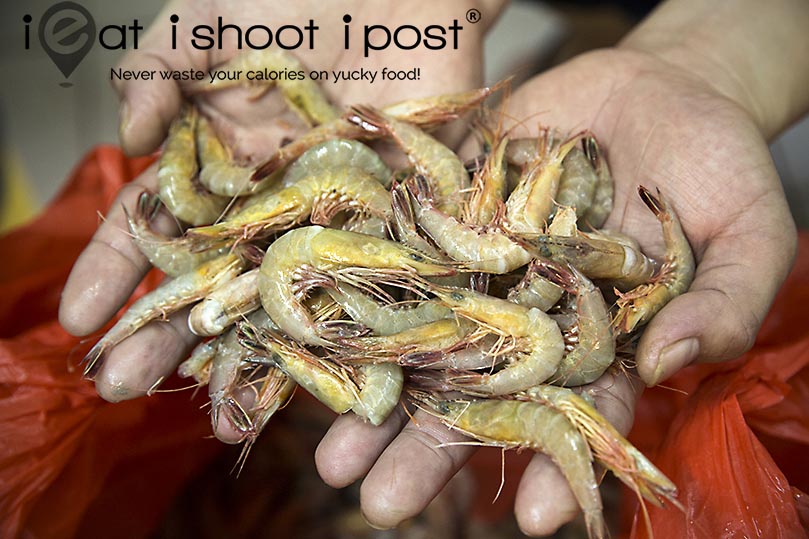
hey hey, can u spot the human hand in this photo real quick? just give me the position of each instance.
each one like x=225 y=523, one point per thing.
x=111 y=266
x=661 y=127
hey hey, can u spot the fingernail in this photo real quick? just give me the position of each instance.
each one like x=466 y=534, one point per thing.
x=674 y=357
x=123 y=120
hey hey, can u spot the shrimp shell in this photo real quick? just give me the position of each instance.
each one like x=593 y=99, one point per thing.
x=169 y=297
x=440 y=165
x=514 y=424
x=179 y=187
x=172 y=256
x=225 y=305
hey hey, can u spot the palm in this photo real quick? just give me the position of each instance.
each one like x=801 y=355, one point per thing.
x=255 y=128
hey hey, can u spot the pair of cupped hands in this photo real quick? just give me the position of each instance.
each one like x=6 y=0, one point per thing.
x=662 y=126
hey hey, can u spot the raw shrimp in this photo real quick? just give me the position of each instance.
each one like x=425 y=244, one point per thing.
x=601 y=206
x=328 y=382
x=530 y=204
x=232 y=386
x=225 y=305
x=380 y=390
x=426 y=113
x=609 y=448
x=385 y=319
x=488 y=185
x=218 y=172
x=589 y=342
x=484 y=353
x=302 y=95
x=596 y=256
x=198 y=365
x=432 y=336
x=169 y=297
x=334 y=154
x=514 y=424
x=172 y=256
x=432 y=159
x=180 y=189
x=321 y=195
x=534 y=290
x=639 y=305
x=577 y=183
x=303 y=249
x=488 y=250
x=537 y=341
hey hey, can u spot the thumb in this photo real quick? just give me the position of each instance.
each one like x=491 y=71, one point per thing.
x=148 y=101
x=735 y=284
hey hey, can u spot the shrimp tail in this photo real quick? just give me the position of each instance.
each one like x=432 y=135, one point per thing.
x=654 y=203
x=94 y=360
x=421 y=191
x=267 y=168
x=369 y=119
x=341 y=331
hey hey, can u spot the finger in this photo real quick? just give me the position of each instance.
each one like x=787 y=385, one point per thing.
x=142 y=361
x=110 y=267
x=735 y=283
x=544 y=500
x=352 y=446
x=412 y=471
x=537 y=512
x=148 y=104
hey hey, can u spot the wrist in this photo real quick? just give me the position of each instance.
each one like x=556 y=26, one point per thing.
x=747 y=51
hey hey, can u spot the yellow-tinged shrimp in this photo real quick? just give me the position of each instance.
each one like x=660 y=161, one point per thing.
x=385 y=319
x=534 y=290
x=198 y=365
x=514 y=424
x=302 y=250
x=381 y=388
x=604 y=193
x=319 y=196
x=589 y=342
x=488 y=185
x=179 y=186
x=426 y=113
x=639 y=305
x=218 y=172
x=302 y=95
x=487 y=250
x=225 y=305
x=598 y=256
x=170 y=297
x=609 y=448
x=537 y=341
x=337 y=153
x=442 y=168
x=328 y=382
x=433 y=336
x=530 y=204
x=172 y=256
x=577 y=184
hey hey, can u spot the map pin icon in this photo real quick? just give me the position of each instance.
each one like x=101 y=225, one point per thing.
x=67 y=33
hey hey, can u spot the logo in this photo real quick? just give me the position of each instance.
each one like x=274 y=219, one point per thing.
x=67 y=33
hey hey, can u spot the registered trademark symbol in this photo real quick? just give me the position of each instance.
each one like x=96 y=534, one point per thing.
x=473 y=16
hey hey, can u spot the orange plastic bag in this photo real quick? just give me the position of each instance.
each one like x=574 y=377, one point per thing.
x=61 y=446
x=737 y=446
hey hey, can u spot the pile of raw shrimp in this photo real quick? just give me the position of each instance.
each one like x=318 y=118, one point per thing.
x=480 y=291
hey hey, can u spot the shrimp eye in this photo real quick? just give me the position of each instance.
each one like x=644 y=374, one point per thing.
x=417 y=257
x=457 y=296
x=443 y=407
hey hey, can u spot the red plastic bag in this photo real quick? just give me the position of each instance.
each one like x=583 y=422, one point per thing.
x=61 y=446
x=737 y=447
